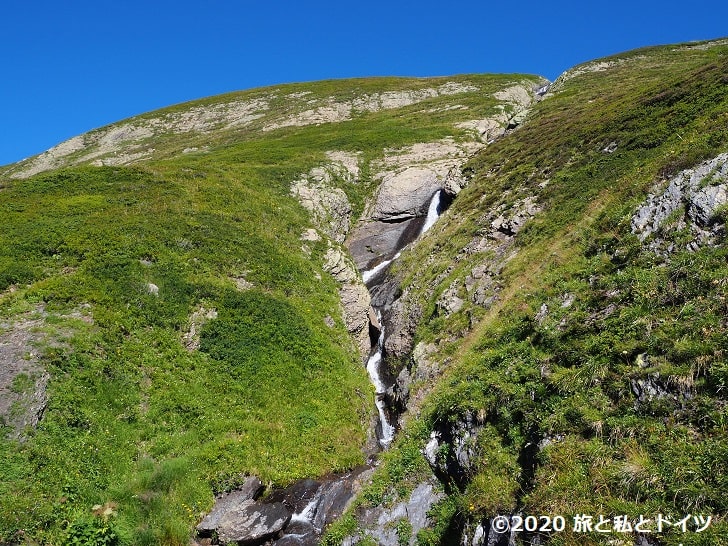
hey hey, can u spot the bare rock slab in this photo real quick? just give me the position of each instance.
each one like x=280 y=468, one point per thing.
x=252 y=523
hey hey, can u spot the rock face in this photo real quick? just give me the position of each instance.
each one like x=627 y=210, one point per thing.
x=451 y=449
x=23 y=379
x=409 y=177
x=406 y=194
x=329 y=207
x=692 y=199
x=295 y=516
x=380 y=524
x=331 y=213
x=353 y=294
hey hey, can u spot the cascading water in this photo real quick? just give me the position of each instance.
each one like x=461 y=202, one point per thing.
x=370 y=273
x=433 y=211
x=309 y=511
x=380 y=389
x=375 y=360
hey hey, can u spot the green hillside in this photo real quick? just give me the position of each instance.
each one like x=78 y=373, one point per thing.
x=177 y=308
x=187 y=335
x=590 y=370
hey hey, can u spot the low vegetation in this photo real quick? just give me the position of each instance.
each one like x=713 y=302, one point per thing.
x=585 y=316
x=143 y=427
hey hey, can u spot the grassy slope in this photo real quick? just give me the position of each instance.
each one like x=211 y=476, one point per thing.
x=568 y=378
x=136 y=422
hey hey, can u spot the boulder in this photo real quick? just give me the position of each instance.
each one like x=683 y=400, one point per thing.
x=251 y=523
x=405 y=194
x=455 y=181
x=250 y=490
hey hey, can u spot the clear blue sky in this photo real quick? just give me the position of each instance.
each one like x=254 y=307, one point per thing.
x=70 y=66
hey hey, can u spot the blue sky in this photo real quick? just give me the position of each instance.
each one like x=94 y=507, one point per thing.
x=70 y=66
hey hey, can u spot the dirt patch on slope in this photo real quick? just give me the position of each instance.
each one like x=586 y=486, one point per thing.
x=23 y=380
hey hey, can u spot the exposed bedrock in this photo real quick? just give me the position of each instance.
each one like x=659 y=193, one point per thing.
x=294 y=516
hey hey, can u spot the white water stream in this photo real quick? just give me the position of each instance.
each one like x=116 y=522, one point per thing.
x=380 y=389
x=309 y=511
x=432 y=212
x=369 y=273
x=375 y=360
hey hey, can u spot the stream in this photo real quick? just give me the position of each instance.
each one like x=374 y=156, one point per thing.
x=386 y=430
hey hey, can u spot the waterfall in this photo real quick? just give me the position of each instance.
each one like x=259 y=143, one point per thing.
x=370 y=273
x=433 y=212
x=308 y=513
x=375 y=360
x=380 y=389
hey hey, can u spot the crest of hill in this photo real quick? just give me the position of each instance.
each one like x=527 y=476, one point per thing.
x=197 y=126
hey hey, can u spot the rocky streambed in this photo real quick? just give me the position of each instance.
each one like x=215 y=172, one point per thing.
x=294 y=516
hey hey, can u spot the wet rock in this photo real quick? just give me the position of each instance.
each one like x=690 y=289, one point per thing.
x=373 y=242
x=334 y=498
x=294 y=516
x=400 y=391
x=251 y=523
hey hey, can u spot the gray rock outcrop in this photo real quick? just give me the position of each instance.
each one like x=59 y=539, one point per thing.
x=451 y=449
x=380 y=523
x=405 y=194
x=693 y=199
x=353 y=294
x=294 y=516
x=329 y=207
